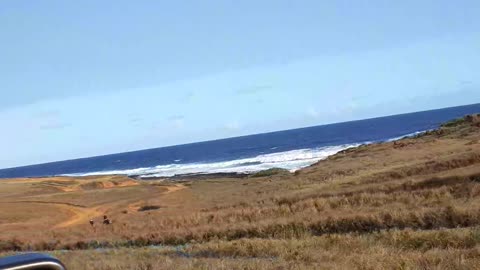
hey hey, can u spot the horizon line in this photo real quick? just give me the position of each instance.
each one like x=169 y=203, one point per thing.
x=242 y=136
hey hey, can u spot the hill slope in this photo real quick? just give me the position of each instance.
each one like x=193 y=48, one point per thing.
x=409 y=204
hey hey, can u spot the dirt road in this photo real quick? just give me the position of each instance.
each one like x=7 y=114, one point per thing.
x=81 y=215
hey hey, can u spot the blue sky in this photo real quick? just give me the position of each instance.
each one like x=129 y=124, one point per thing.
x=96 y=77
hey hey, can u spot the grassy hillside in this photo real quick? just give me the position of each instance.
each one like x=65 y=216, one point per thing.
x=410 y=204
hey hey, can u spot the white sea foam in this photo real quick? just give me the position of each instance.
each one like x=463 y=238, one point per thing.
x=290 y=160
x=407 y=136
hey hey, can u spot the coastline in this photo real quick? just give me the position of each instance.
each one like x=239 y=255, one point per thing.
x=381 y=198
x=233 y=175
x=290 y=149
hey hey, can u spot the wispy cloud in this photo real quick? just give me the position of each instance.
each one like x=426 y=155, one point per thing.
x=49 y=120
x=189 y=97
x=466 y=83
x=232 y=126
x=177 y=121
x=135 y=121
x=254 y=89
x=47 y=114
x=260 y=100
x=176 y=117
x=54 y=126
x=312 y=112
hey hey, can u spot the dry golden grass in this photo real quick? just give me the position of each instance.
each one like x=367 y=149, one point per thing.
x=413 y=204
x=398 y=249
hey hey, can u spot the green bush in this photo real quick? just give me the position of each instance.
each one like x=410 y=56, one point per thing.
x=454 y=123
x=270 y=172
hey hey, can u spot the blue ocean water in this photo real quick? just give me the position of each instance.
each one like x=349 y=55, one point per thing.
x=290 y=149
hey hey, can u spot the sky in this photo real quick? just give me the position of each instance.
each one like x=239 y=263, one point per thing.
x=87 y=78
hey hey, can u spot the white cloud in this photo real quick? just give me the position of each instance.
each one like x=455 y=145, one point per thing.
x=255 y=89
x=232 y=126
x=48 y=120
x=177 y=121
x=313 y=112
x=54 y=125
x=189 y=97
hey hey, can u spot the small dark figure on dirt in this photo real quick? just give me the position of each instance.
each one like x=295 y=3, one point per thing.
x=106 y=221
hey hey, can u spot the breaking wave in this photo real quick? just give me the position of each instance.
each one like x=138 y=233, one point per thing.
x=408 y=135
x=290 y=160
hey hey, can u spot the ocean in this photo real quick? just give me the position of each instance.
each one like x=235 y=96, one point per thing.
x=289 y=149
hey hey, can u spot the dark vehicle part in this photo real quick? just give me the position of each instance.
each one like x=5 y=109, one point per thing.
x=32 y=261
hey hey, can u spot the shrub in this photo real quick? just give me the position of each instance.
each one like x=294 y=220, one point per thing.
x=270 y=172
x=148 y=208
x=454 y=123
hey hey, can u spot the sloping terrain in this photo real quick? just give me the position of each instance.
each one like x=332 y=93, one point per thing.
x=409 y=204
